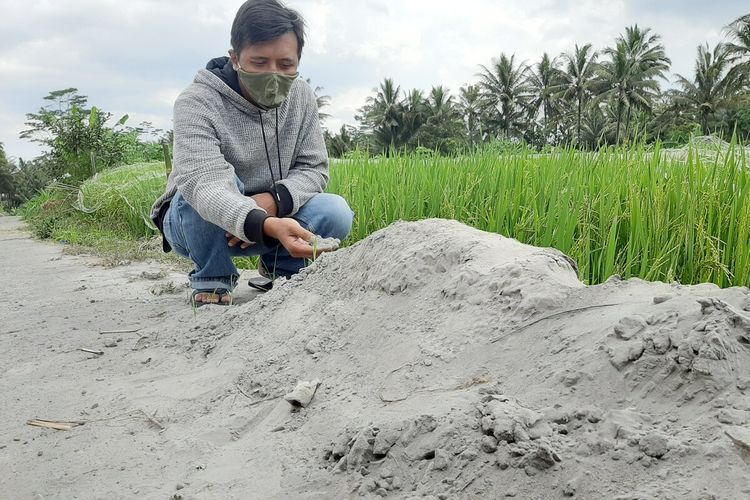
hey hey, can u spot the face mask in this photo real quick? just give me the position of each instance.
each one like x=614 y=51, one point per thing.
x=267 y=89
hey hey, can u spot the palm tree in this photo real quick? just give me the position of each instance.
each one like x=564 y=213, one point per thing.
x=507 y=93
x=442 y=130
x=594 y=125
x=544 y=80
x=470 y=107
x=630 y=76
x=738 y=32
x=383 y=115
x=713 y=85
x=577 y=78
x=322 y=100
x=415 y=114
x=338 y=144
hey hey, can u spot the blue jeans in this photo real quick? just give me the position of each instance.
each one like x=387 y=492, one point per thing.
x=204 y=243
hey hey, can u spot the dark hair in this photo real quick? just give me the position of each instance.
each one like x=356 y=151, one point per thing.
x=259 y=21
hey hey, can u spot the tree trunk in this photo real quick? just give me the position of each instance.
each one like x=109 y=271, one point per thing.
x=627 y=125
x=619 y=119
x=578 y=134
x=704 y=122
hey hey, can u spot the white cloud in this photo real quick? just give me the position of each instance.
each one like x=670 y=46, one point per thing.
x=136 y=56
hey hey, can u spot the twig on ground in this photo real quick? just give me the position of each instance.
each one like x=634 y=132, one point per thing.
x=91 y=351
x=250 y=397
x=54 y=424
x=550 y=316
x=153 y=420
x=109 y=332
x=264 y=400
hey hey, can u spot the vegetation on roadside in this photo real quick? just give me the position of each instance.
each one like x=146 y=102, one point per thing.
x=637 y=212
x=78 y=144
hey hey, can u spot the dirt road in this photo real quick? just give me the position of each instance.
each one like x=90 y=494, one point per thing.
x=453 y=364
x=52 y=305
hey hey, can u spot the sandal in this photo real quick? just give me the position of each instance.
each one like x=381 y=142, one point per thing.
x=217 y=294
x=263 y=283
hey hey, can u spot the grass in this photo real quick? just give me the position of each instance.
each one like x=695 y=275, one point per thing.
x=635 y=212
x=108 y=214
x=628 y=212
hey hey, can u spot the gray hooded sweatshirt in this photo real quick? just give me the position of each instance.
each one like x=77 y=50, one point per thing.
x=218 y=135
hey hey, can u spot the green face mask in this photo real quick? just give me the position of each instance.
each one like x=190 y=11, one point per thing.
x=267 y=89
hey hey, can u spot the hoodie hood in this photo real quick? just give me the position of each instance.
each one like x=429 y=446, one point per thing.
x=222 y=67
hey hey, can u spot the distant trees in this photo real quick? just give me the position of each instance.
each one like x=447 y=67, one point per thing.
x=577 y=79
x=585 y=97
x=713 y=85
x=19 y=181
x=77 y=137
x=78 y=142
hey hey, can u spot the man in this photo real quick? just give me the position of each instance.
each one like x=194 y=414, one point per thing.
x=250 y=162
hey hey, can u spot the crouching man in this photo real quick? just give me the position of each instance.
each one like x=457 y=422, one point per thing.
x=250 y=162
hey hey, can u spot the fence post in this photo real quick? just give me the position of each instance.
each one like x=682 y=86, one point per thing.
x=167 y=158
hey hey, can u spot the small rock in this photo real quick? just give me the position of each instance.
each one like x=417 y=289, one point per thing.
x=573 y=486
x=313 y=346
x=653 y=445
x=629 y=327
x=488 y=444
x=740 y=437
x=441 y=460
x=731 y=417
x=662 y=298
x=179 y=486
x=368 y=485
x=468 y=455
x=39 y=454
x=386 y=472
x=397 y=483
x=583 y=450
x=112 y=343
x=381 y=492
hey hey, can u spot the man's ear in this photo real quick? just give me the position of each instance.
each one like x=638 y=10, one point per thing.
x=234 y=59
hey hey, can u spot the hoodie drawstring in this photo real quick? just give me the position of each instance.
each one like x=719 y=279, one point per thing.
x=278 y=151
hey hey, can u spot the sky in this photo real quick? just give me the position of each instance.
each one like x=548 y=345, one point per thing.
x=134 y=57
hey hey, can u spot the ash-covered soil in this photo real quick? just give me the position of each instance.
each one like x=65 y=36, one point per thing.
x=453 y=364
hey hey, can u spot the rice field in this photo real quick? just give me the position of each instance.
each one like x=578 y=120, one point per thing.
x=636 y=213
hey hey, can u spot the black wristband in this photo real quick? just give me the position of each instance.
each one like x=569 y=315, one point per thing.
x=283 y=199
x=254 y=228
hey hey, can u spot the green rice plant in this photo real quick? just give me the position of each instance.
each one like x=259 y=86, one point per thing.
x=634 y=212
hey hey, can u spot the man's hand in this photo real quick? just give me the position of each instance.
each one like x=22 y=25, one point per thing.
x=291 y=235
x=266 y=202
x=233 y=240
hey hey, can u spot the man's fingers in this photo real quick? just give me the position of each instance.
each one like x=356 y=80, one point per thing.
x=304 y=234
x=233 y=241
x=299 y=248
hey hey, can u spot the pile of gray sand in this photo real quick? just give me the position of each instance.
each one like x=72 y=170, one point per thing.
x=456 y=363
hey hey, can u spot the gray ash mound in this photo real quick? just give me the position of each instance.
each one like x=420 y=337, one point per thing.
x=461 y=364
